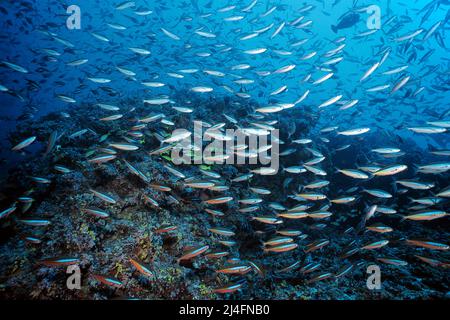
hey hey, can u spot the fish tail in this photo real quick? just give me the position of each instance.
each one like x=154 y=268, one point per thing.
x=394 y=185
x=334 y=28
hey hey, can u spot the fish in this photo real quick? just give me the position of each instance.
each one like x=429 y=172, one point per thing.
x=108 y=280
x=393 y=261
x=36 y=222
x=239 y=269
x=99 y=80
x=356 y=174
x=428 y=244
x=60 y=261
x=25 y=143
x=102 y=158
x=347 y=21
x=370 y=71
x=157 y=101
x=97 y=213
x=51 y=142
x=330 y=102
x=320 y=277
x=192 y=253
x=316 y=245
x=141 y=51
x=378 y=193
x=104 y=197
x=428 y=130
x=229 y=288
x=6 y=212
x=435 y=168
x=426 y=215
x=219 y=200
x=380 y=228
x=390 y=170
x=417 y=185
x=222 y=231
x=124 y=146
x=354 y=132
x=170 y=34
x=375 y=245
x=78 y=62
x=165 y=229
x=144 y=270
x=14 y=67
x=282 y=248
x=125 y=5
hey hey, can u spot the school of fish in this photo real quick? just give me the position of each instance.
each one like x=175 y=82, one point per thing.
x=266 y=57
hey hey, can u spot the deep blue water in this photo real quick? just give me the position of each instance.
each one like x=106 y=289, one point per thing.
x=23 y=44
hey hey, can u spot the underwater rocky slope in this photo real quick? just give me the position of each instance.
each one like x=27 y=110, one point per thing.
x=143 y=210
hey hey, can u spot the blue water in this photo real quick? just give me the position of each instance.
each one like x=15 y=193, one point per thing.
x=23 y=44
